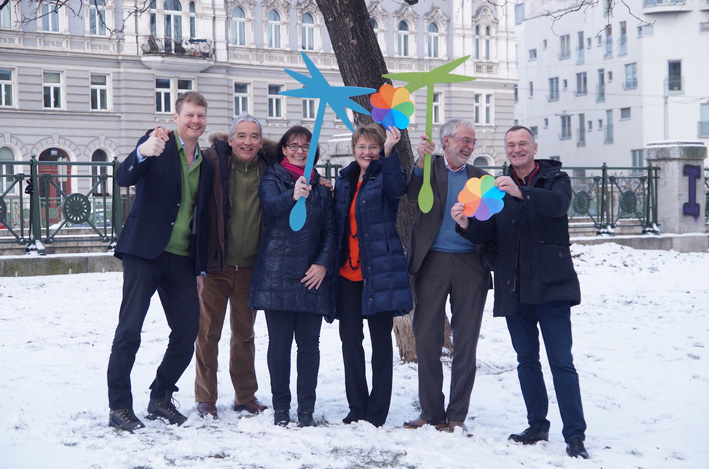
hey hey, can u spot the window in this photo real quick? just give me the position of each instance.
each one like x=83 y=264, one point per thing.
x=609 y=42
x=637 y=158
x=623 y=41
x=546 y=122
x=193 y=20
x=153 y=19
x=436 y=109
x=555 y=158
x=565 y=128
x=544 y=44
x=52 y=90
x=519 y=13
x=554 y=89
x=488 y=109
x=432 y=40
x=565 y=84
x=581 y=130
x=241 y=98
x=6 y=169
x=99 y=92
x=97 y=17
x=531 y=89
x=674 y=75
x=646 y=30
x=609 y=126
x=50 y=17
x=476 y=43
x=599 y=41
x=275 y=101
x=564 y=47
x=6 y=16
x=601 y=91
x=273 y=31
x=167 y=90
x=487 y=43
x=610 y=76
x=600 y=124
x=590 y=126
x=238 y=27
x=476 y=108
x=532 y=54
x=308 y=109
x=515 y=91
x=624 y=113
x=704 y=119
x=580 y=51
x=97 y=172
x=483 y=109
x=6 y=87
x=535 y=131
x=588 y=43
x=631 y=76
x=402 y=37
x=173 y=26
x=307 y=32
x=581 y=84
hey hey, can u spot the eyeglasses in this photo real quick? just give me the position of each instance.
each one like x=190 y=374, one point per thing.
x=465 y=140
x=372 y=148
x=521 y=145
x=295 y=147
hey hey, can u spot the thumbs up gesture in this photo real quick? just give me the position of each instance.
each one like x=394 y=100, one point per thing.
x=155 y=144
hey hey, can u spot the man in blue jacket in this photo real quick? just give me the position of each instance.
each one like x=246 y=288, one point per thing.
x=163 y=247
x=535 y=283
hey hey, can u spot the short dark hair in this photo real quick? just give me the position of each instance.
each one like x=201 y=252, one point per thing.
x=515 y=128
x=369 y=131
x=295 y=131
x=190 y=97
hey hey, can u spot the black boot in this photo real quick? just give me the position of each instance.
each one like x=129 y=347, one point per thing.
x=124 y=419
x=305 y=419
x=162 y=407
x=530 y=436
x=281 y=418
x=575 y=448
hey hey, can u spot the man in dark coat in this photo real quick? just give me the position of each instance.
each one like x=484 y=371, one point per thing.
x=445 y=265
x=535 y=283
x=164 y=247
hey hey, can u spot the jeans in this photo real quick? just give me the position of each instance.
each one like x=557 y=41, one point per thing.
x=554 y=319
x=282 y=326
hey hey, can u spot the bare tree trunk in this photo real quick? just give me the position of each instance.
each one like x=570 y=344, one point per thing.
x=361 y=63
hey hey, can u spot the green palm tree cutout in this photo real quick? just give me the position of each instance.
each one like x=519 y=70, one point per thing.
x=416 y=81
x=316 y=86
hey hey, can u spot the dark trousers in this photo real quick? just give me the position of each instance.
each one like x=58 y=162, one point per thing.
x=282 y=327
x=232 y=286
x=554 y=319
x=463 y=278
x=174 y=279
x=372 y=407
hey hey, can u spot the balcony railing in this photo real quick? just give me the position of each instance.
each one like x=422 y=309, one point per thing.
x=178 y=47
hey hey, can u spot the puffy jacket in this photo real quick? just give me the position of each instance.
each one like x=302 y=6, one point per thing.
x=535 y=233
x=285 y=255
x=386 y=281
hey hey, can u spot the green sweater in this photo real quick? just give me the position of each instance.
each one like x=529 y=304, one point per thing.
x=182 y=230
x=245 y=219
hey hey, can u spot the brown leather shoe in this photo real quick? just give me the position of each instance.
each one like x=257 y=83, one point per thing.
x=207 y=408
x=419 y=422
x=253 y=407
x=452 y=425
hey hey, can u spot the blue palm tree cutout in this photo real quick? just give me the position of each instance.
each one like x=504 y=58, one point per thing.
x=316 y=86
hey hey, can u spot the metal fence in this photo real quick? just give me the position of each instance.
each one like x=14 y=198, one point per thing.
x=46 y=202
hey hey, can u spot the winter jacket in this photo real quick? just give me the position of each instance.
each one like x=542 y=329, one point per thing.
x=534 y=262
x=285 y=255
x=221 y=201
x=386 y=281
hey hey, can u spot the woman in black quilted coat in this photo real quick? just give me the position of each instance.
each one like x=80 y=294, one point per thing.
x=371 y=278
x=290 y=280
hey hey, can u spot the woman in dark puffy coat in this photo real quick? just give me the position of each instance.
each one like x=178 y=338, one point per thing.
x=371 y=280
x=290 y=280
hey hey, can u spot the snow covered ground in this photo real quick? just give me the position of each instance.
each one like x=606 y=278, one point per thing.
x=641 y=349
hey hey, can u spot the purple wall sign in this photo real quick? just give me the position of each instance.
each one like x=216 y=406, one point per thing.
x=691 y=207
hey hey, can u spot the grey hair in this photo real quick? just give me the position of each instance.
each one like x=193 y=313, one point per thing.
x=521 y=127
x=451 y=127
x=245 y=117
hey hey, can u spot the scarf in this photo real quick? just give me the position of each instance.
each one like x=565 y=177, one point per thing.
x=295 y=171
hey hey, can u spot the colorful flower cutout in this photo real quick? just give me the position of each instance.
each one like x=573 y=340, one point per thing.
x=392 y=106
x=481 y=197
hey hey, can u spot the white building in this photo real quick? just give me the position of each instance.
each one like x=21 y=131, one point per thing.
x=71 y=89
x=597 y=84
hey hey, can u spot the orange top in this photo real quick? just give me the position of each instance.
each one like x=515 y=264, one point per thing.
x=351 y=269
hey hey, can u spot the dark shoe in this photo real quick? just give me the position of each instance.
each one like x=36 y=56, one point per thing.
x=350 y=418
x=124 y=419
x=419 y=422
x=281 y=418
x=207 y=408
x=575 y=448
x=162 y=407
x=530 y=436
x=253 y=407
x=305 y=419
